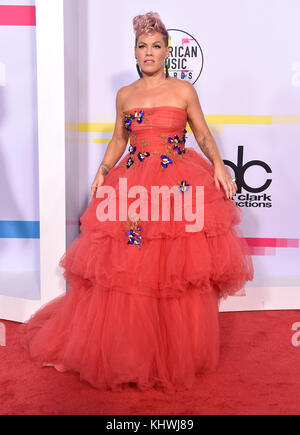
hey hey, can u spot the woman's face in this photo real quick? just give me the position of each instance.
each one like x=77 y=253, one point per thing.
x=151 y=52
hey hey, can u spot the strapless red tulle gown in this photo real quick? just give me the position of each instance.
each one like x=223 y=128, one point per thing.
x=142 y=306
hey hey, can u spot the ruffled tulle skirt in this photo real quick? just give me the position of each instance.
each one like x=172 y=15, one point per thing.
x=144 y=314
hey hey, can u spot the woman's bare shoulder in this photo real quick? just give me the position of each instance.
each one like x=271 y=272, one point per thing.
x=184 y=86
x=122 y=96
x=124 y=93
x=184 y=89
x=130 y=87
x=180 y=83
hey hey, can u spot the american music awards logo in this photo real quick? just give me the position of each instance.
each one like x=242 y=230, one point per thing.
x=186 y=57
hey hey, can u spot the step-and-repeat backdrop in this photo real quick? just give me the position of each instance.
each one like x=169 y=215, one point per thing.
x=243 y=59
x=19 y=180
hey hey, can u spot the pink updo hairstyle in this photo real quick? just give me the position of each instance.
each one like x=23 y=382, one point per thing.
x=149 y=23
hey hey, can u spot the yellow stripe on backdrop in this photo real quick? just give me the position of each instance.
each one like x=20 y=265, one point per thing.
x=216 y=122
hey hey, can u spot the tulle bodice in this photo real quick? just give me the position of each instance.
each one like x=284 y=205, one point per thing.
x=152 y=128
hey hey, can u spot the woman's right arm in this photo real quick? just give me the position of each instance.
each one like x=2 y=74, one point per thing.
x=117 y=144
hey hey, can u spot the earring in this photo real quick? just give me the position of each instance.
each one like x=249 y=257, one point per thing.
x=138 y=70
x=166 y=67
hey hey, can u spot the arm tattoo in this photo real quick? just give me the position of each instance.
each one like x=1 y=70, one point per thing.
x=209 y=148
x=205 y=147
x=104 y=168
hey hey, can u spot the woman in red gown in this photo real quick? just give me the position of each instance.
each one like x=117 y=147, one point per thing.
x=142 y=306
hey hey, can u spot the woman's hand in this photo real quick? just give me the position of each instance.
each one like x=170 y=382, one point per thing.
x=98 y=181
x=222 y=176
x=103 y=170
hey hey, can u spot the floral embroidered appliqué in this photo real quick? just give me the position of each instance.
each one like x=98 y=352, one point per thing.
x=183 y=186
x=129 y=162
x=131 y=149
x=128 y=118
x=165 y=161
x=133 y=232
x=178 y=145
x=141 y=155
x=138 y=116
x=175 y=147
x=135 y=157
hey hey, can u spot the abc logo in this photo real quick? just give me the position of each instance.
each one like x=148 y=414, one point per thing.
x=240 y=168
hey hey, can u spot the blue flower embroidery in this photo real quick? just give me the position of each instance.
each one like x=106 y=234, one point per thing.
x=134 y=233
x=142 y=156
x=130 y=162
x=183 y=137
x=165 y=161
x=181 y=149
x=128 y=118
x=174 y=140
x=131 y=149
x=183 y=186
x=179 y=145
x=139 y=117
x=128 y=121
x=134 y=238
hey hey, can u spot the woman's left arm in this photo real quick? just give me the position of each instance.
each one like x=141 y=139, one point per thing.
x=206 y=141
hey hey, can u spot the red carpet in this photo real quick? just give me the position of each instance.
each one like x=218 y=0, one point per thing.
x=258 y=374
